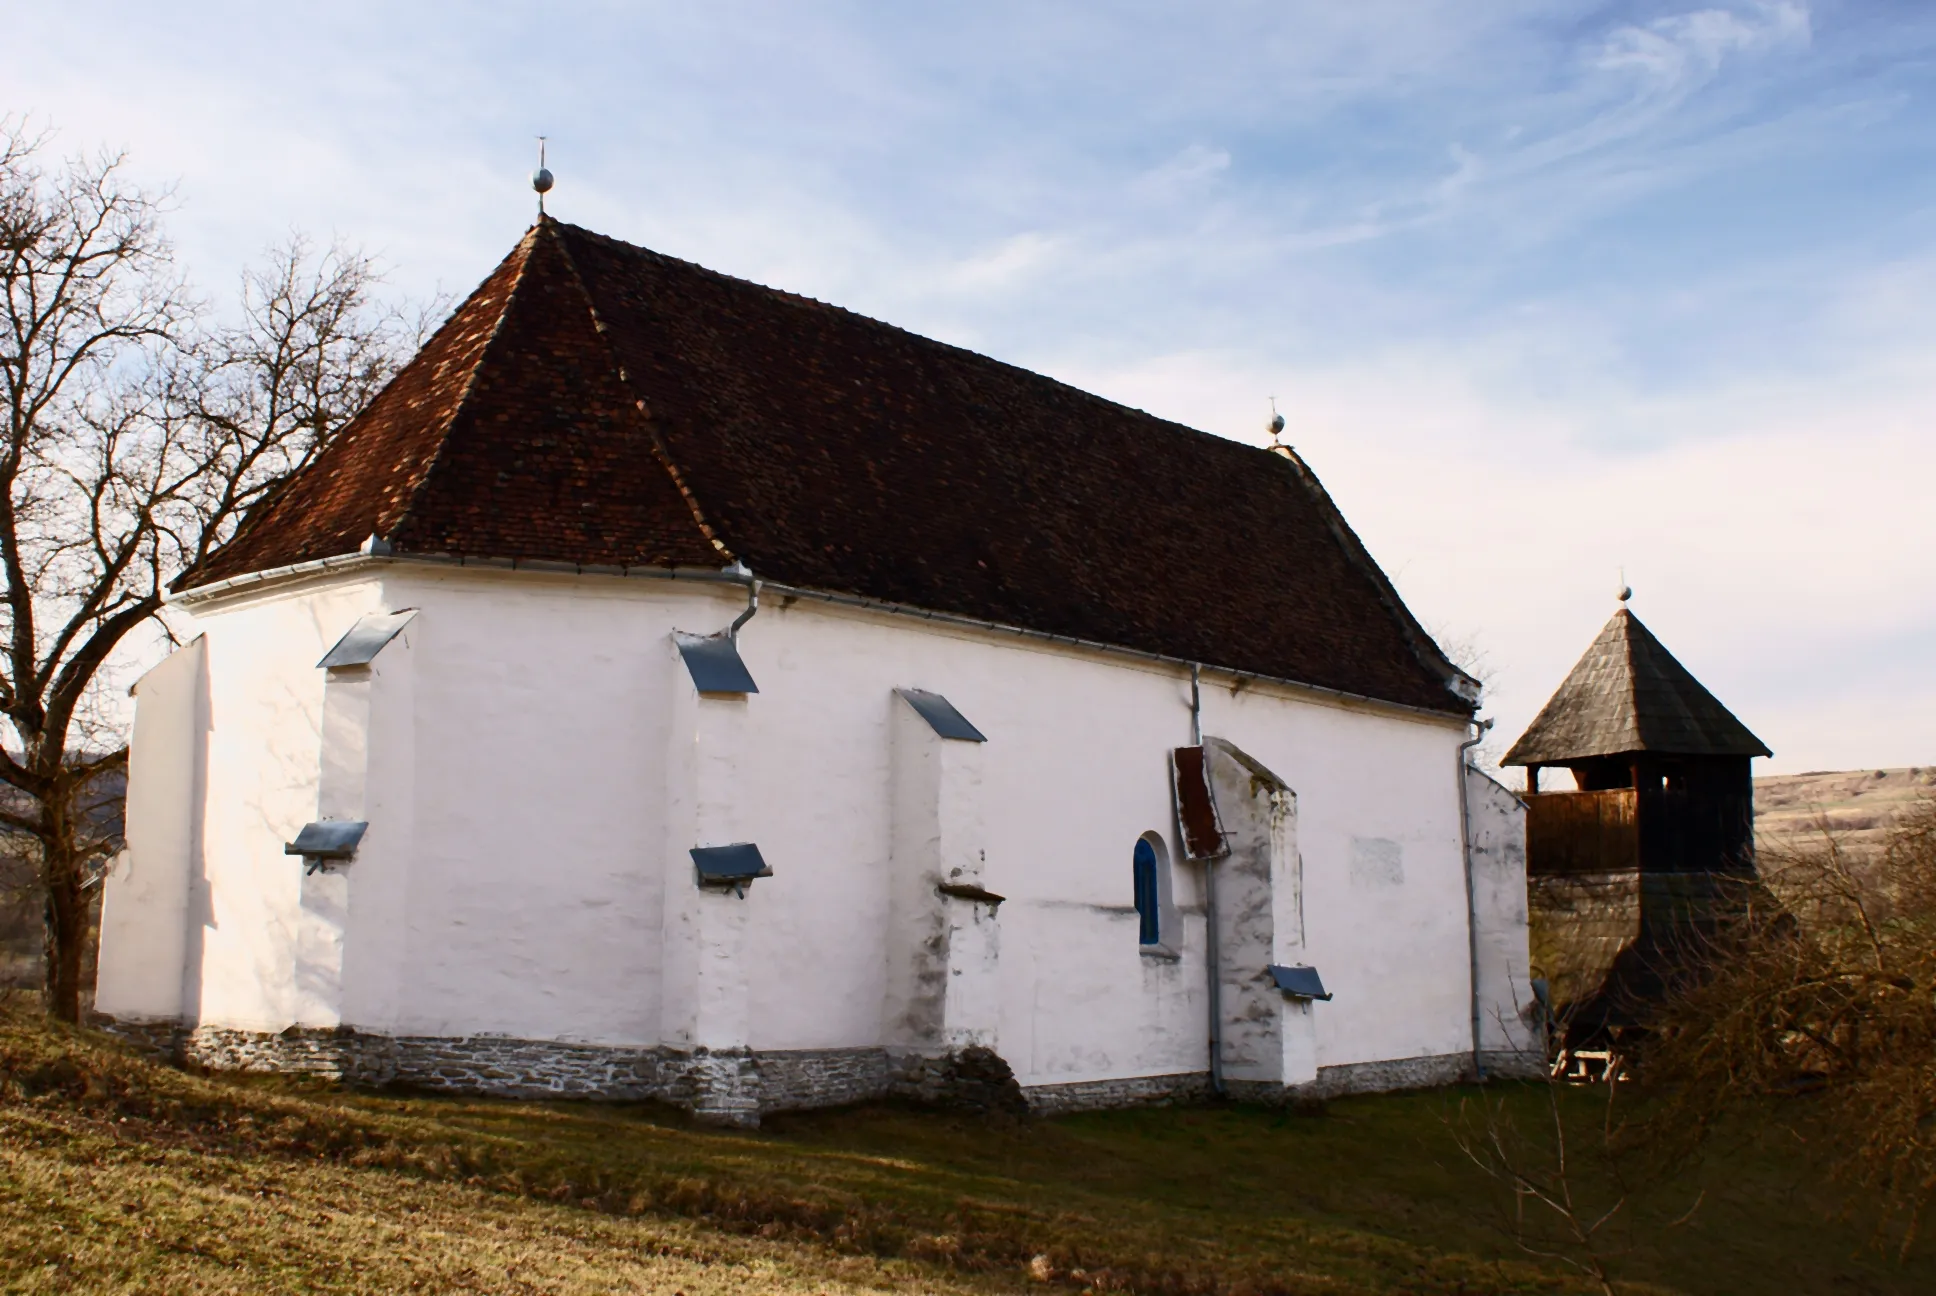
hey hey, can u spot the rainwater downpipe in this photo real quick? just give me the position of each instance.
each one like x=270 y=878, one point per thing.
x=1211 y=960
x=1196 y=705
x=1471 y=894
x=739 y=571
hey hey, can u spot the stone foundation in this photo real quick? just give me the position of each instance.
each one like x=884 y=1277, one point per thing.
x=718 y=1086
x=797 y=1080
x=1394 y=1076
x=1433 y=1072
x=1503 y=1065
x=737 y=1086
x=161 y=1040
x=1102 y=1095
x=722 y=1086
x=331 y=1054
x=514 y=1068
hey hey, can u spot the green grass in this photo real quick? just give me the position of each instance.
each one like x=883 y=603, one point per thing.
x=119 y=1175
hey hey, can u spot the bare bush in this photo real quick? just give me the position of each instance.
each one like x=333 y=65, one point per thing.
x=1565 y=1196
x=1818 y=1014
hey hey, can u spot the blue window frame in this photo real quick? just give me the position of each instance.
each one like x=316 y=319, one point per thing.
x=1148 y=901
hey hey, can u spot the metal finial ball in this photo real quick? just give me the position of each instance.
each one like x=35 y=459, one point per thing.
x=541 y=180
x=1277 y=425
x=1626 y=592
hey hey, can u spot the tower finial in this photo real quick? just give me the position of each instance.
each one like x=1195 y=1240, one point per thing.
x=1276 y=424
x=541 y=178
x=1626 y=590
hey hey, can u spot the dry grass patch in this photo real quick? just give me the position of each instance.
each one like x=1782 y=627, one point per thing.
x=119 y=1175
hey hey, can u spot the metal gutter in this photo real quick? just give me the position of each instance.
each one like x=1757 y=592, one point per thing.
x=1117 y=650
x=271 y=576
x=381 y=557
x=730 y=576
x=1196 y=704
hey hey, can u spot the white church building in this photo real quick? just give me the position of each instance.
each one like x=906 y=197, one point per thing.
x=672 y=687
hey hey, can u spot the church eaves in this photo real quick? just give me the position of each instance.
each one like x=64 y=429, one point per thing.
x=1629 y=694
x=597 y=404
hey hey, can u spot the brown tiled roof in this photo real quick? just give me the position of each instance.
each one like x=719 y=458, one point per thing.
x=600 y=404
x=1628 y=694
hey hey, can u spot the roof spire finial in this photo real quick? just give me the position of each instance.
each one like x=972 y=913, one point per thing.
x=1276 y=426
x=1626 y=590
x=541 y=178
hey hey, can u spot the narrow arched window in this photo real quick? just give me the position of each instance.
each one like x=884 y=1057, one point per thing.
x=1149 y=900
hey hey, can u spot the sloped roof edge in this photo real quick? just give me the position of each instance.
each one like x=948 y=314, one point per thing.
x=425 y=387
x=1627 y=693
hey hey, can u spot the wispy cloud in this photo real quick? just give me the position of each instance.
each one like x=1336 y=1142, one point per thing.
x=1684 y=49
x=1184 y=173
x=1545 y=289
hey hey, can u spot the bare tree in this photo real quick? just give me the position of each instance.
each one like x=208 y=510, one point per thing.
x=136 y=439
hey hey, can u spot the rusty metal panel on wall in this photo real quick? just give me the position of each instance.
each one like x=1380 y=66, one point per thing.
x=1197 y=821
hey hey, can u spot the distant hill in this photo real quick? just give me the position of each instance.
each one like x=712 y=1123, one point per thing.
x=1856 y=805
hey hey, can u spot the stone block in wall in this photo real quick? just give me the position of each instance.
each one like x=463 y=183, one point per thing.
x=1393 y=1076
x=720 y=1086
x=518 y=1068
x=161 y=1040
x=1505 y=1064
x=800 y=1079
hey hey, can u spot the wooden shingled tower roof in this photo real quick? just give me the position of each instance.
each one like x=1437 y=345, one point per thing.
x=598 y=405
x=1629 y=694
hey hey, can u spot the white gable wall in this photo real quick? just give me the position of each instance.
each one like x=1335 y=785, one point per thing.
x=521 y=746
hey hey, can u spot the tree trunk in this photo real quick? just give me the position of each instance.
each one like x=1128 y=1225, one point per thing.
x=66 y=943
x=67 y=905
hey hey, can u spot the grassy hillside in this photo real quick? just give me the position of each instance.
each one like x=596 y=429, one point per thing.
x=118 y=1175
x=1857 y=806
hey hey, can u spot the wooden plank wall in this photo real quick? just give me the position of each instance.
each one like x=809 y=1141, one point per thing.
x=1569 y=833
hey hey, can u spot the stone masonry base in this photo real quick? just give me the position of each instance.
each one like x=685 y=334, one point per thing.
x=738 y=1086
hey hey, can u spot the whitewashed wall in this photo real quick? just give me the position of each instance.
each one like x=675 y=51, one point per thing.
x=1508 y=1023
x=263 y=753
x=524 y=733
x=1384 y=881
x=145 y=902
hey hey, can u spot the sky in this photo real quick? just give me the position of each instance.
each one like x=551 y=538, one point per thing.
x=1548 y=293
